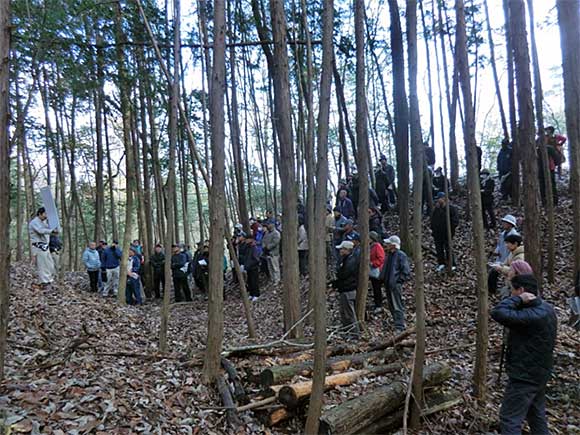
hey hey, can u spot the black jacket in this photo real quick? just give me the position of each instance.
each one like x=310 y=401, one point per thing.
x=157 y=261
x=398 y=272
x=487 y=186
x=383 y=179
x=178 y=262
x=376 y=224
x=347 y=273
x=531 y=340
x=439 y=222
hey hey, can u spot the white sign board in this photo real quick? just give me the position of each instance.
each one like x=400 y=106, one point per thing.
x=50 y=206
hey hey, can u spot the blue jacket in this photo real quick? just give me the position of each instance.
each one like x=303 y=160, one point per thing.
x=504 y=161
x=135 y=265
x=91 y=259
x=395 y=269
x=531 y=339
x=112 y=257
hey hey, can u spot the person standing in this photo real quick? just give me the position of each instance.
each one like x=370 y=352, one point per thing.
x=157 y=262
x=375 y=221
x=532 y=325
x=179 y=268
x=40 y=231
x=395 y=273
x=55 y=246
x=487 y=186
x=439 y=182
x=345 y=205
x=377 y=258
x=504 y=169
x=133 y=287
x=250 y=258
x=385 y=185
x=271 y=246
x=112 y=262
x=346 y=284
x=302 y=248
x=439 y=229
x=92 y=262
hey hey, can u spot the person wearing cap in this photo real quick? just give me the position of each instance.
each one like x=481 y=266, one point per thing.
x=395 y=273
x=112 y=261
x=179 y=268
x=377 y=258
x=349 y=232
x=504 y=169
x=439 y=229
x=40 y=231
x=346 y=284
x=157 y=262
x=532 y=325
x=345 y=205
x=385 y=184
x=133 y=286
x=487 y=186
x=502 y=253
x=271 y=245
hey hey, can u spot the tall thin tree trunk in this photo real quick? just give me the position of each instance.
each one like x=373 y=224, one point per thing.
x=526 y=134
x=418 y=165
x=569 y=23
x=215 y=327
x=480 y=369
x=5 y=26
x=401 y=109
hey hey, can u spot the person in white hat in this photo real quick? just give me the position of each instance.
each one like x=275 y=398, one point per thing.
x=346 y=283
x=509 y=224
x=396 y=271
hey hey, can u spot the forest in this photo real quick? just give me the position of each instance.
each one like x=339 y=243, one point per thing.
x=187 y=249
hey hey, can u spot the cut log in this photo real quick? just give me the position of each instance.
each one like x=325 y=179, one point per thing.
x=228 y=401
x=257 y=404
x=292 y=395
x=239 y=392
x=275 y=417
x=279 y=374
x=355 y=414
x=393 y=341
x=436 y=402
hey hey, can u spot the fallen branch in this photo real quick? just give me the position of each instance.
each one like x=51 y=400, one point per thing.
x=258 y=404
x=239 y=393
x=228 y=401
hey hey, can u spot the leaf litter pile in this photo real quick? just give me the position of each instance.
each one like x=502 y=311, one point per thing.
x=78 y=363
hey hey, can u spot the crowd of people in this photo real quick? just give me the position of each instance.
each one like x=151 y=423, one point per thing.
x=257 y=249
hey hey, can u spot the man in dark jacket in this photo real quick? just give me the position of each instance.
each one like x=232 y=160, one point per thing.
x=439 y=229
x=385 y=184
x=179 y=268
x=355 y=195
x=532 y=326
x=439 y=181
x=157 y=262
x=504 y=169
x=344 y=204
x=346 y=284
x=487 y=186
x=395 y=272
x=112 y=261
x=250 y=259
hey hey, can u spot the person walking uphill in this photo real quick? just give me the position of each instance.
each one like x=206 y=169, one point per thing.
x=40 y=231
x=112 y=262
x=346 y=284
x=439 y=229
x=395 y=273
x=532 y=326
x=92 y=261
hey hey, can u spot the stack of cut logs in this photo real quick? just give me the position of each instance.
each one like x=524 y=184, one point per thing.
x=377 y=411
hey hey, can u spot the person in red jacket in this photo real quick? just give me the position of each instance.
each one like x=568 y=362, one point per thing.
x=377 y=259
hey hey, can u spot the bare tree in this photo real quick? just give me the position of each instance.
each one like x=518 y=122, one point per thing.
x=215 y=326
x=480 y=370
x=569 y=22
x=5 y=30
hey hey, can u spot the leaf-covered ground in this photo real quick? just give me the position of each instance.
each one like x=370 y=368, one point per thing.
x=78 y=363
